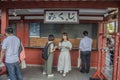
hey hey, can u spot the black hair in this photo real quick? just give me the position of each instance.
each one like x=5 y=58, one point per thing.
x=51 y=37
x=65 y=34
x=9 y=30
x=85 y=33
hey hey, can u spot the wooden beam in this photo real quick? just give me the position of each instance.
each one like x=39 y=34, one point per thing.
x=43 y=15
x=42 y=21
x=59 y=4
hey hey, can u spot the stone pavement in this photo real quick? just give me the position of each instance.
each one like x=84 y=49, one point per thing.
x=35 y=73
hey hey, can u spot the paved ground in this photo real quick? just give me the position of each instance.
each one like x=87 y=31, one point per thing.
x=35 y=73
x=109 y=71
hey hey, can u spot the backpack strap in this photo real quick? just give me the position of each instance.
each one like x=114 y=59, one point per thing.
x=48 y=47
x=48 y=44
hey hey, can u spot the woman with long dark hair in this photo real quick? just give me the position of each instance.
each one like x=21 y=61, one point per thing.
x=64 y=61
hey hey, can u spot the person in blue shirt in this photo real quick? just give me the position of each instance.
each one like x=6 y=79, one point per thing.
x=10 y=50
x=85 y=48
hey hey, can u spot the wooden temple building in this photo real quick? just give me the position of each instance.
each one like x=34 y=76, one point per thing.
x=34 y=20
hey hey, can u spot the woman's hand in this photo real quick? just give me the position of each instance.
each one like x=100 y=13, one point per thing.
x=55 y=47
x=67 y=47
x=61 y=47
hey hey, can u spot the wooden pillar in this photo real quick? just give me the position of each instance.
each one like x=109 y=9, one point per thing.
x=116 y=58
x=100 y=31
x=26 y=34
x=100 y=45
x=99 y=73
x=119 y=20
x=23 y=31
x=20 y=30
x=4 y=20
x=118 y=73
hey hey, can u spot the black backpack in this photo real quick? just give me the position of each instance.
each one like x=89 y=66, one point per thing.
x=45 y=54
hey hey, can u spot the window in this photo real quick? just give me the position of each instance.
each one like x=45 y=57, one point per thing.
x=112 y=27
x=34 y=30
x=76 y=30
x=75 y=33
x=47 y=29
x=73 y=30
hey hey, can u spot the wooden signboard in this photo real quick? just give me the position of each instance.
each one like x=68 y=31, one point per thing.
x=61 y=17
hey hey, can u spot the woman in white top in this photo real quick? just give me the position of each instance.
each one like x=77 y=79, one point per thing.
x=64 y=61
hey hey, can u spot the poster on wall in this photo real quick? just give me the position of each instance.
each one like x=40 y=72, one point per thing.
x=34 y=30
x=61 y=16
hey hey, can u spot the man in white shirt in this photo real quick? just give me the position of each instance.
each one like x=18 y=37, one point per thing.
x=85 y=48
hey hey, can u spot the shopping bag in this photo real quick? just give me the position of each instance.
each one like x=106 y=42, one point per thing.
x=23 y=64
x=79 y=62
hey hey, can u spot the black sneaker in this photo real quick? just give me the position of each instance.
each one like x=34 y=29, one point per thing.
x=87 y=71
x=82 y=71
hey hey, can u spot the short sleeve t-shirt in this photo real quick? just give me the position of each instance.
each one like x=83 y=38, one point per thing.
x=11 y=44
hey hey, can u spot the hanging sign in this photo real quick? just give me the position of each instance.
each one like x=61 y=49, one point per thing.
x=61 y=17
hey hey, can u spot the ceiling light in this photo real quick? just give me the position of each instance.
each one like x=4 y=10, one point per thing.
x=36 y=10
x=106 y=14
x=14 y=13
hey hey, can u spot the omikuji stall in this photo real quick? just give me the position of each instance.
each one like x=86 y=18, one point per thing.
x=34 y=20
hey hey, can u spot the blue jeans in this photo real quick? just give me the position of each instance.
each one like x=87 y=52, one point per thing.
x=14 y=71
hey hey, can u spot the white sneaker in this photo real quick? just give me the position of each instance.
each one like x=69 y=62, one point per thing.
x=44 y=73
x=50 y=75
x=61 y=72
x=64 y=75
